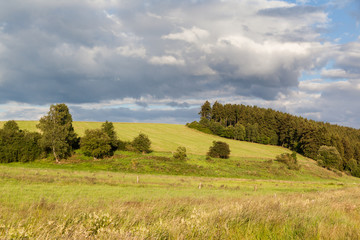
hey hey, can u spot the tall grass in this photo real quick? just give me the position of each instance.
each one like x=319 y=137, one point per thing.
x=324 y=215
x=69 y=204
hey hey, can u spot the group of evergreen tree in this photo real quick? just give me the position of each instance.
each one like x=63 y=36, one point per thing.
x=17 y=145
x=58 y=138
x=267 y=126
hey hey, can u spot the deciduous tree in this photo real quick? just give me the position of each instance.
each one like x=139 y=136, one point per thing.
x=58 y=135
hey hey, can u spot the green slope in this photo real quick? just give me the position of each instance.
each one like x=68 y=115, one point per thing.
x=251 y=156
x=167 y=137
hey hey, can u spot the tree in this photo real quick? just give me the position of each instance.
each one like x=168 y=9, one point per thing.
x=96 y=143
x=252 y=132
x=11 y=126
x=219 y=150
x=108 y=128
x=142 y=143
x=17 y=145
x=239 y=132
x=58 y=135
x=205 y=111
x=180 y=153
x=329 y=157
x=352 y=165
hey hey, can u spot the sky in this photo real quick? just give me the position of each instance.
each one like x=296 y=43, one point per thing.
x=158 y=61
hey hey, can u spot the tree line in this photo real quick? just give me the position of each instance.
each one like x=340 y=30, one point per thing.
x=267 y=126
x=58 y=139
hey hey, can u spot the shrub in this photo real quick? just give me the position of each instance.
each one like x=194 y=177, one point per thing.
x=141 y=143
x=96 y=143
x=123 y=145
x=180 y=153
x=199 y=127
x=290 y=160
x=329 y=157
x=219 y=150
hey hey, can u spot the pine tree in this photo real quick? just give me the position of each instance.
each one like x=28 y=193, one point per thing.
x=108 y=128
x=205 y=111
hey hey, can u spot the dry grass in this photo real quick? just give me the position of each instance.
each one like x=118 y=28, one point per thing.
x=64 y=204
x=325 y=215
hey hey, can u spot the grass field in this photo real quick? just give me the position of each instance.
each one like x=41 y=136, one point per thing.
x=73 y=204
x=135 y=196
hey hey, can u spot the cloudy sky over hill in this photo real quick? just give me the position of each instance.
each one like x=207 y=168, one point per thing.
x=158 y=61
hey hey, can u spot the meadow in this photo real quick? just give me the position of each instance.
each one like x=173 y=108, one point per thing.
x=136 y=196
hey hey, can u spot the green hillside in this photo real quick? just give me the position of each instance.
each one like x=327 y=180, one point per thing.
x=247 y=160
x=167 y=137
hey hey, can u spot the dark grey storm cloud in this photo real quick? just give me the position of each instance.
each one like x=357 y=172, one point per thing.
x=179 y=104
x=290 y=12
x=183 y=115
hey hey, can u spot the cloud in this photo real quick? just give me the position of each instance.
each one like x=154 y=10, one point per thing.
x=177 y=53
x=192 y=35
x=166 y=60
x=86 y=52
x=292 y=12
x=179 y=105
x=127 y=115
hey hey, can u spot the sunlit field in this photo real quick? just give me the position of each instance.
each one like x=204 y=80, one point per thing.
x=59 y=203
x=154 y=196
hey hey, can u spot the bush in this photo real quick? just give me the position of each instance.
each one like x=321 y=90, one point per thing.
x=290 y=160
x=199 y=127
x=219 y=150
x=329 y=157
x=141 y=143
x=123 y=145
x=180 y=154
x=96 y=143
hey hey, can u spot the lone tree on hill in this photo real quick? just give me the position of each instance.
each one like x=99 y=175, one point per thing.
x=219 y=150
x=58 y=136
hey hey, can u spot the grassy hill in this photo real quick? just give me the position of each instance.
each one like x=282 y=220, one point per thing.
x=247 y=160
x=167 y=137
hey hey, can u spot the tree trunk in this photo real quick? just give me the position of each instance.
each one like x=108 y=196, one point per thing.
x=55 y=155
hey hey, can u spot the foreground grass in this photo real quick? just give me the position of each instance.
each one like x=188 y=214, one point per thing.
x=72 y=204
